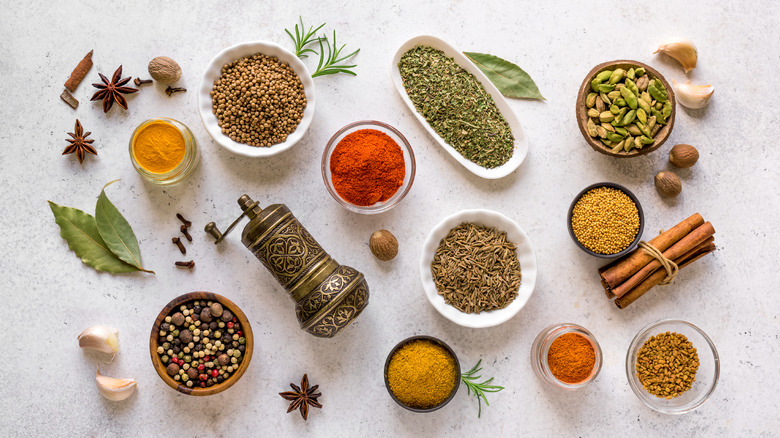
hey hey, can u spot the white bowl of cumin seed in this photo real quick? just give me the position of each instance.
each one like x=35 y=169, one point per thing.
x=525 y=254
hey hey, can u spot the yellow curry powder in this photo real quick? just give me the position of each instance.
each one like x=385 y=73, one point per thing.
x=421 y=374
x=159 y=147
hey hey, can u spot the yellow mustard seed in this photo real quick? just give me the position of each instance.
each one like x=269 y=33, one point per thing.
x=605 y=220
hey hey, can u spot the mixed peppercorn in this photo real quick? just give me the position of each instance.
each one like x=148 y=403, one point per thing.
x=201 y=344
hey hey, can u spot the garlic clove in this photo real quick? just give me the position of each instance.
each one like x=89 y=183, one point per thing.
x=682 y=50
x=693 y=96
x=115 y=389
x=100 y=338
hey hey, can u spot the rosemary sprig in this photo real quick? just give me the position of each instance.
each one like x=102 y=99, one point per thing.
x=479 y=389
x=301 y=40
x=329 y=65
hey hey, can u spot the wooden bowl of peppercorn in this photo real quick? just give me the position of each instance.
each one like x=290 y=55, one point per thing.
x=582 y=110
x=169 y=362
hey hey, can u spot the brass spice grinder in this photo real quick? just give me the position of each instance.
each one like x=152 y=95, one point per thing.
x=328 y=295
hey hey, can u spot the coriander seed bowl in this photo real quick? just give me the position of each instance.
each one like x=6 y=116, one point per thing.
x=525 y=255
x=213 y=72
x=631 y=195
x=582 y=110
x=706 y=378
x=409 y=166
x=438 y=342
x=156 y=342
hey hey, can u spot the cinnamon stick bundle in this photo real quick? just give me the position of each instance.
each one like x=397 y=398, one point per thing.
x=632 y=276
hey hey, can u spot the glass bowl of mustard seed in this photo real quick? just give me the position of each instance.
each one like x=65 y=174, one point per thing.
x=672 y=366
x=201 y=343
x=422 y=374
x=566 y=356
x=606 y=220
x=368 y=167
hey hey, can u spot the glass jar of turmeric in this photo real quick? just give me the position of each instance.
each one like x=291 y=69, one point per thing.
x=164 y=151
x=566 y=356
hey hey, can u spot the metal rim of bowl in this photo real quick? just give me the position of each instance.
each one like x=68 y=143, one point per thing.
x=630 y=364
x=330 y=146
x=631 y=195
x=438 y=342
x=217 y=388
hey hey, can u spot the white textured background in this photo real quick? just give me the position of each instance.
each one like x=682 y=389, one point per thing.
x=49 y=296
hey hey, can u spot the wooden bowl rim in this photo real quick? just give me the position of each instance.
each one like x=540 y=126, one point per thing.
x=582 y=113
x=237 y=312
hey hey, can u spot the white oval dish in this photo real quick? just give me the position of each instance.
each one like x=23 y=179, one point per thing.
x=525 y=255
x=214 y=70
x=521 y=141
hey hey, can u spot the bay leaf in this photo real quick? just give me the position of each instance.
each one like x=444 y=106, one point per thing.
x=79 y=229
x=511 y=80
x=116 y=231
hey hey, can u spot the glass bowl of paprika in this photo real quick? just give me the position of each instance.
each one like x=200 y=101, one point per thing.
x=566 y=356
x=368 y=167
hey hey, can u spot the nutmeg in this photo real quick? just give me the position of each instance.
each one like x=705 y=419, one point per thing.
x=383 y=244
x=683 y=155
x=164 y=70
x=668 y=184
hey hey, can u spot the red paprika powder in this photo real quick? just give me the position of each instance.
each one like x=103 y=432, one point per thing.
x=367 y=166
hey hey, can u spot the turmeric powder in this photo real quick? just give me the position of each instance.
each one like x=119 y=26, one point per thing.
x=421 y=374
x=159 y=147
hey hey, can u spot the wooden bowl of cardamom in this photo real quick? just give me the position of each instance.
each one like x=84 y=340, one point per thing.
x=625 y=108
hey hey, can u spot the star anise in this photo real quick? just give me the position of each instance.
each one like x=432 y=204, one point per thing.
x=79 y=144
x=302 y=397
x=111 y=91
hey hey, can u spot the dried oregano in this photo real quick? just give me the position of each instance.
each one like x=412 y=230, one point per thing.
x=456 y=106
x=475 y=268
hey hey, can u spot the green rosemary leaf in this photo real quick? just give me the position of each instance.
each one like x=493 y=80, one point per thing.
x=301 y=40
x=116 y=231
x=470 y=380
x=79 y=229
x=511 y=80
x=329 y=64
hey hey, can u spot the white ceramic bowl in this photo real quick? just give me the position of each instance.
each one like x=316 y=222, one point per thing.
x=525 y=254
x=214 y=70
x=521 y=141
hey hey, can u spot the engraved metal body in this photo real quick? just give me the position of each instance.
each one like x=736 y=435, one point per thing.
x=328 y=296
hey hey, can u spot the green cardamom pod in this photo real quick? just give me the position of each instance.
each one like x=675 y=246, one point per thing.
x=640 y=71
x=614 y=109
x=616 y=76
x=643 y=82
x=646 y=97
x=613 y=94
x=651 y=123
x=654 y=130
x=633 y=129
x=632 y=86
x=617 y=148
x=601 y=132
x=658 y=105
x=627 y=146
x=655 y=92
x=643 y=129
x=621 y=131
x=608 y=127
x=599 y=104
x=640 y=114
x=593 y=112
x=591 y=100
x=606 y=88
x=644 y=105
x=607 y=116
x=631 y=74
x=613 y=137
x=638 y=142
x=594 y=85
x=606 y=142
x=628 y=118
x=604 y=75
x=629 y=96
x=620 y=101
x=591 y=128
x=646 y=140
x=607 y=101
x=667 y=109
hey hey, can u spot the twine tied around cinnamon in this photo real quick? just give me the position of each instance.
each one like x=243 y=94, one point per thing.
x=670 y=266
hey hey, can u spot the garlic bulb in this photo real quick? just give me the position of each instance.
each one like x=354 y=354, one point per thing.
x=682 y=50
x=115 y=389
x=693 y=96
x=100 y=338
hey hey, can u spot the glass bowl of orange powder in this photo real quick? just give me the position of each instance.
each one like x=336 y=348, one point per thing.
x=368 y=167
x=566 y=356
x=164 y=151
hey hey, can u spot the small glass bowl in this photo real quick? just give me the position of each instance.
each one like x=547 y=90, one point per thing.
x=435 y=341
x=541 y=346
x=706 y=376
x=409 y=162
x=633 y=197
x=184 y=169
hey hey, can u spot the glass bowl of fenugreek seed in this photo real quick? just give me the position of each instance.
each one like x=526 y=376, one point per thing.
x=606 y=220
x=672 y=366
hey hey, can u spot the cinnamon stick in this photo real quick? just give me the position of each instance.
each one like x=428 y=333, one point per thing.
x=617 y=272
x=693 y=239
x=80 y=72
x=658 y=276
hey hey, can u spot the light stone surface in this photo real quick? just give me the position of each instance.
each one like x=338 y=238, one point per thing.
x=47 y=382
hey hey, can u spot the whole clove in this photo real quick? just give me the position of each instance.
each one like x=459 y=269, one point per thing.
x=184 y=221
x=138 y=81
x=186 y=233
x=178 y=243
x=190 y=264
x=170 y=90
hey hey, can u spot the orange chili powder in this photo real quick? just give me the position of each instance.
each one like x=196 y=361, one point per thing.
x=367 y=166
x=571 y=358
